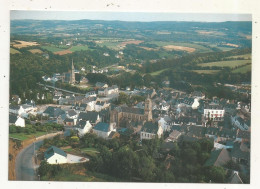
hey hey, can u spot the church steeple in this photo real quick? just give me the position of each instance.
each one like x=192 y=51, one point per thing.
x=72 y=74
x=148 y=108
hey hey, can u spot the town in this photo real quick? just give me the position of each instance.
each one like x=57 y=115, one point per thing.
x=93 y=101
x=164 y=113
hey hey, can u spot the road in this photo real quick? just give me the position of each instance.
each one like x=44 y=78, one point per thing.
x=24 y=166
x=59 y=89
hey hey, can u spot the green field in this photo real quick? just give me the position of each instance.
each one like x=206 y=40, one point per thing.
x=198 y=47
x=206 y=71
x=14 y=51
x=79 y=48
x=23 y=136
x=157 y=72
x=52 y=48
x=111 y=45
x=231 y=63
x=243 y=69
x=245 y=56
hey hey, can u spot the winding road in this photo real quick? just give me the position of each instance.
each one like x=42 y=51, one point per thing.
x=24 y=165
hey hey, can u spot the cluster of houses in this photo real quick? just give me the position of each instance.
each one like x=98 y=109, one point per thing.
x=174 y=114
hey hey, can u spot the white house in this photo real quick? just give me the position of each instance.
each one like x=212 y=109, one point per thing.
x=83 y=127
x=54 y=155
x=151 y=130
x=16 y=120
x=214 y=114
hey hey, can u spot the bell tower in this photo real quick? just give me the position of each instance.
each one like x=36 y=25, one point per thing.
x=72 y=74
x=148 y=109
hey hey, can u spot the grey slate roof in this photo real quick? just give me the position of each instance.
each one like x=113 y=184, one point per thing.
x=101 y=126
x=81 y=124
x=12 y=118
x=218 y=158
x=14 y=107
x=72 y=113
x=88 y=116
x=54 y=111
x=132 y=110
x=150 y=127
x=52 y=150
x=235 y=179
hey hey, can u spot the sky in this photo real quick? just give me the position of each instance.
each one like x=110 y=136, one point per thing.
x=127 y=16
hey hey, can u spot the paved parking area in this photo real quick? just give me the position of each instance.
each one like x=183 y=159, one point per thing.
x=76 y=159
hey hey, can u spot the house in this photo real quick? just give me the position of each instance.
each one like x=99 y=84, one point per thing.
x=240 y=123
x=53 y=112
x=101 y=85
x=102 y=91
x=226 y=134
x=218 y=158
x=72 y=114
x=83 y=80
x=83 y=127
x=92 y=117
x=91 y=94
x=113 y=134
x=101 y=105
x=69 y=122
x=174 y=135
x=215 y=113
x=241 y=153
x=243 y=136
x=61 y=118
x=54 y=155
x=151 y=130
x=29 y=108
x=212 y=132
x=18 y=110
x=103 y=129
x=16 y=120
x=235 y=178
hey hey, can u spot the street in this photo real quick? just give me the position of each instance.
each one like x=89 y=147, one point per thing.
x=24 y=166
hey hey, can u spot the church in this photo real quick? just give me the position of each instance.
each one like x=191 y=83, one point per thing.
x=121 y=113
x=69 y=77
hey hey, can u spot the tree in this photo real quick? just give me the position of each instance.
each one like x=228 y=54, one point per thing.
x=216 y=174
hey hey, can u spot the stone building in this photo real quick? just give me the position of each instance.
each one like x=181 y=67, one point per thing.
x=69 y=77
x=132 y=114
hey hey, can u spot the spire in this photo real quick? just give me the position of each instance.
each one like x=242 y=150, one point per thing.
x=72 y=65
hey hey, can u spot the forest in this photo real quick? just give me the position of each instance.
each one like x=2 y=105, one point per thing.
x=127 y=160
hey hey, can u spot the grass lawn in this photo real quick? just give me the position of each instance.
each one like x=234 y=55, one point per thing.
x=230 y=63
x=89 y=151
x=243 y=69
x=79 y=48
x=23 y=136
x=52 y=48
x=157 y=72
x=206 y=71
x=14 y=51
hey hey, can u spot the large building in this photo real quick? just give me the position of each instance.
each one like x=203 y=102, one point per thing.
x=133 y=114
x=69 y=77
